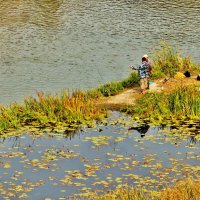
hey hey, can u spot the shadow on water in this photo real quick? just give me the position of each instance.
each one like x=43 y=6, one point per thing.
x=192 y=129
x=142 y=129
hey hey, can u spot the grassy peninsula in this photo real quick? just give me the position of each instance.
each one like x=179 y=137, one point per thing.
x=81 y=107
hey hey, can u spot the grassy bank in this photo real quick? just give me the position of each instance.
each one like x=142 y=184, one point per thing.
x=50 y=110
x=183 y=190
x=79 y=108
x=182 y=103
x=62 y=110
x=113 y=88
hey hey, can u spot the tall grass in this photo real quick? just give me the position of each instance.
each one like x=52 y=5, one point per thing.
x=68 y=109
x=50 y=109
x=183 y=190
x=167 y=61
x=183 y=101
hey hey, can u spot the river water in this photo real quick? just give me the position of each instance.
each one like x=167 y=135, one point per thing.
x=50 y=165
x=50 y=45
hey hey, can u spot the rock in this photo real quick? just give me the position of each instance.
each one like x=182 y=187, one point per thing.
x=187 y=74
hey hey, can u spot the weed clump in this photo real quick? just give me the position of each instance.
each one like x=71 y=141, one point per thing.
x=167 y=61
x=183 y=102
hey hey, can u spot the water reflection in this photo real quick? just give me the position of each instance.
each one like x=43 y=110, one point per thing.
x=21 y=12
x=85 y=161
x=192 y=130
x=142 y=129
x=47 y=13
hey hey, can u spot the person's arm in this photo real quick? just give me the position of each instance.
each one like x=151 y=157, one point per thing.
x=134 y=67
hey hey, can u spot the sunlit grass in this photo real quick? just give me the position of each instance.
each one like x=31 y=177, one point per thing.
x=167 y=61
x=183 y=190
x=48 y=110
x=63 y=109
x=184 y=101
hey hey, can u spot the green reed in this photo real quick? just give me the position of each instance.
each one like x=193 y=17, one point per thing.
x=184 y=101
x=167 y=61
x=48 y=110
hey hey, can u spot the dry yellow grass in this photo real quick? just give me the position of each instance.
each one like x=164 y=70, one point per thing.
x=183 y=190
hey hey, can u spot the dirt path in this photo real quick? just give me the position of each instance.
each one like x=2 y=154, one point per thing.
x=129 y=96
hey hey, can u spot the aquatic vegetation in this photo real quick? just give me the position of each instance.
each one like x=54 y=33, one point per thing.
x=61 y=109
x=182 y=103
x=185 y=189
x=113 y=159
x=51 y=110
x=111 y=88
x=167 y=61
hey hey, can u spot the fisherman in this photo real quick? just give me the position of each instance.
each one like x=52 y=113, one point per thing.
x=143 y=73
x=149 y=62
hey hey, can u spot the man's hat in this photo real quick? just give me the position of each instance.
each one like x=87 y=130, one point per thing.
x=145 y=56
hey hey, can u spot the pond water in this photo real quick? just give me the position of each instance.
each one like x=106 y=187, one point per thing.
x=118 y=153
x=51 y=45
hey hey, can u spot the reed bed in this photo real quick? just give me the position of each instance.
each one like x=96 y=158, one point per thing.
x=183 y=102
x=183 y=190
x=167 y=61
x=60 y=109
x=46 y=110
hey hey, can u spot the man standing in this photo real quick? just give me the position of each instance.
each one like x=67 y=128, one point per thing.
x=149 y=62
x=143 y=73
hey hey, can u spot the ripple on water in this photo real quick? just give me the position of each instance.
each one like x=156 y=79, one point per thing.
x=50 y=45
